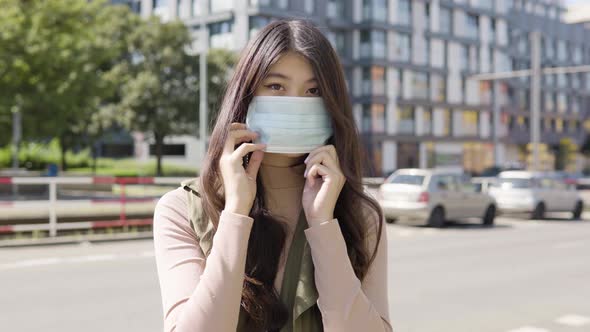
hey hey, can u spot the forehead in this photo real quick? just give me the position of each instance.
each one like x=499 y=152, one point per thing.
x=293 y=65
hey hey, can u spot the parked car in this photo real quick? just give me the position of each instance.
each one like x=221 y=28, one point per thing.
x=535 y=193
x=434 y=196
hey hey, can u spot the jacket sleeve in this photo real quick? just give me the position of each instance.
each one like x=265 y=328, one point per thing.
x=196 y=296
x=345 y=303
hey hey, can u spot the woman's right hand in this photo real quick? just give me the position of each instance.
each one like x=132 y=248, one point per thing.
x=239 y=183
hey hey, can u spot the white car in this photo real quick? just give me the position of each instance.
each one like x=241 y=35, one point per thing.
x=535 y=193
x=434 y=196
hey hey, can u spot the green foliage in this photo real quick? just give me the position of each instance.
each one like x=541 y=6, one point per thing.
x=37 y=155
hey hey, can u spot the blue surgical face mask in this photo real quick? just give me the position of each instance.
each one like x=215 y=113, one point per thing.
x=289 y=124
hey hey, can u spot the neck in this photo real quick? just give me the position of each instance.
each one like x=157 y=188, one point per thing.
x=283 y=160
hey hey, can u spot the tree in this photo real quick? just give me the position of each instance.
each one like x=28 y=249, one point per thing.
x=160 y=95
x=53 y=59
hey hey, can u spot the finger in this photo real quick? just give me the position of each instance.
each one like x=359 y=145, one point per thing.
x=237 y=125
x=244 y=149
x=324 y=158
x=235 y=135
x=329 y=148
x=317 y=170
x=254 y=164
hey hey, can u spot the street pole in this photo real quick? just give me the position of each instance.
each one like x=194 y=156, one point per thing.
x=535 y=125
x=203 y=85
x=16 y=135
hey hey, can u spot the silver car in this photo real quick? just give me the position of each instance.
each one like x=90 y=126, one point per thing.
x=434 y=196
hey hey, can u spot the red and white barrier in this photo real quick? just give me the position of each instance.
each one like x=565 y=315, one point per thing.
x=52 y=204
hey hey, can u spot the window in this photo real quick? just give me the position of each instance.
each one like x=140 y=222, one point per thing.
x=492 y=30
x=465 y=57
x=426 y=16
x=257 y=23
x=220 y=5
x=549 y=102
x=446 y=122
x=338 y=40
x=375 y=10
x=486 y=4
x=221 y=35
x=373 y=43
x=420 y=85
x=309 y=6
x=404 y=12
x=403 y=47
x=196 y=7
x=439 y=88
x=336 y=8
x=472 y=30
x=446 y=20
x=373 y=119
x=405 y=121
x=374 y=80
x=469 y=123
x=427 y=122
x=160 y=8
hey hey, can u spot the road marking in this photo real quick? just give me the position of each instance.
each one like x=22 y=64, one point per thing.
x=79 y=259
x=529 y=329
x=573 y=320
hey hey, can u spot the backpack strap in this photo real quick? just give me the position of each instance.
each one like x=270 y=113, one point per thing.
x=203 y=228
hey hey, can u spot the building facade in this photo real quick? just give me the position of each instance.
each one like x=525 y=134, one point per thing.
x=408 y=65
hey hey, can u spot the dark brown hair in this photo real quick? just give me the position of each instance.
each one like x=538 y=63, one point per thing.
x=259 y=298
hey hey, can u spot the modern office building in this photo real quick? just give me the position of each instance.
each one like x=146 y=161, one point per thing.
x=408 y=65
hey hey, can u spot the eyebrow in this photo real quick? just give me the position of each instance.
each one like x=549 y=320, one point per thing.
x=279 y=75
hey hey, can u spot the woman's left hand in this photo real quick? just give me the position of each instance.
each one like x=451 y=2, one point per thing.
x=323 y=183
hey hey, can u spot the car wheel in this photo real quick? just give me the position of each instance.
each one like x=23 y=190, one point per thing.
x=539 y=211
x=437 y=217
x=489 y=216
x=577 y=213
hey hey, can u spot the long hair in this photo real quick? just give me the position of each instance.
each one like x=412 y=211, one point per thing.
x=260 y=299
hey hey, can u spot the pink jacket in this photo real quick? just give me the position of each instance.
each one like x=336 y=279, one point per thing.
x=200 y=294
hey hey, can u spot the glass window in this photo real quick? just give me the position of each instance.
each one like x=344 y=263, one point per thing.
x=414 y=180
x=375 y=10
x=426 y=16
x=492 y=30
x=446 y=20
x=257 y=23
x=446 y=122
x=338 y=40
x=465 y=57
x=427 y=122
x=309 y=6
x=486 y=4
x=373 y=80
x=404 y=12
x=469 y=123
x=373 y=118
x=549 y=102
x=373 y=43
x=472 y=30
x=439 y=87
x=405 y=121
x=196 y=7
x=220 y=5
x=336 y=8
x=220 y=34
x=420 y=85
x=403 y=47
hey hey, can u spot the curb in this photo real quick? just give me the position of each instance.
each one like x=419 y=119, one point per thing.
x=66 y=239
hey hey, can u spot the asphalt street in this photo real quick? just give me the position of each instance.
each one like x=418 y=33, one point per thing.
x=520 y=276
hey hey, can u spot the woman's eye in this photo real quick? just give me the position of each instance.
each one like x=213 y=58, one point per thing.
x=274 y=86
x=314 y=91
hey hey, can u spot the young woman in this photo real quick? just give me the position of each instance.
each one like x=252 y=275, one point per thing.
x=282 y=176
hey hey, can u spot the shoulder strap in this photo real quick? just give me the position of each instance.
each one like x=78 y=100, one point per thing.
x=203 y=228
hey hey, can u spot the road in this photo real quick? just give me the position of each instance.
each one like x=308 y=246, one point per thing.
x=521 y=276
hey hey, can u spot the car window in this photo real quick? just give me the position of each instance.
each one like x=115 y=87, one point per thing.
x=445 y=183
x=546 y=183
x=513 y=183
x=478 y=187
x=416 y=180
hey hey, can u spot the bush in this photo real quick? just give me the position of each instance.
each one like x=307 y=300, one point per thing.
x=37 y=155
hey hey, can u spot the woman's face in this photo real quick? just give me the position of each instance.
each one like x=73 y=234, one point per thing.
x=292 y=75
